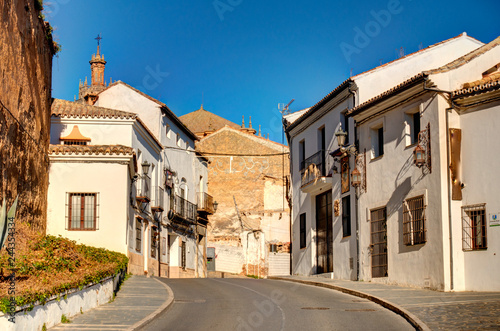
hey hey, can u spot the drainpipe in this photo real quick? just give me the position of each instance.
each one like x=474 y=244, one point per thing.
x=197 y=248
x=450 y=223
x=356 y=207
x=356 y=195
x=159 y=248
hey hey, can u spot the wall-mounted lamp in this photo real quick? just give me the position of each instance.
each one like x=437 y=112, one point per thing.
x=419 y=156
x=216 y=204
x=145 y=167
x=355 y=178
x=422 y=153
x=341 y=136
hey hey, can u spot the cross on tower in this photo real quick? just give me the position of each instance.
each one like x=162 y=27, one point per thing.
x=98 y=39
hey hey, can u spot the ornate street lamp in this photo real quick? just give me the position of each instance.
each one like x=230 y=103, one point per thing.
x=145 y=167
x=356 y=177
x=341 y=136
x=419 y=156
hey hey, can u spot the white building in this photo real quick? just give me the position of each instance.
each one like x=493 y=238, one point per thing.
x=435 y=225
x=172 y=198
x=93 y=181
x=187 y=174
x=325 y=222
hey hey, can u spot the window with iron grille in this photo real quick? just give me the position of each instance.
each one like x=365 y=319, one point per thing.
x=346 y=216
x=302 y=230
x=474 y=227
x=414 y=221
x=183 y=255
x=82 y=211
x=154 y=241
x=138 y=234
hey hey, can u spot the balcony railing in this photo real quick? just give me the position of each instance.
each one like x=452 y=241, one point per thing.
x=157 y=201
x=184 y=209
x=143 y=188
x=313 y=167
x=205 y=202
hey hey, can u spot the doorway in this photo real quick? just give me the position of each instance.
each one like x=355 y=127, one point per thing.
x=324 y=227
x=379 y=242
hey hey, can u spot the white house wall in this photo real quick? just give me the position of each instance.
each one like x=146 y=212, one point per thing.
x=374 y=82
x=480 y=176
x=392 y=178
x=121 y=97
x=101 y=131
x=110 y=180
x=470 y=71
x=304 y=260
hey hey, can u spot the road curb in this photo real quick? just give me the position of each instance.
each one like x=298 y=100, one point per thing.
x=158 y=311
x=412 y=319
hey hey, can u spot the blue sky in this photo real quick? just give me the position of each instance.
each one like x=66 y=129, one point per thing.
x=248 y=56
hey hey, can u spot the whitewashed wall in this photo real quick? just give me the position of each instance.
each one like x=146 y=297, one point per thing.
x=393 y=178
x=479 y=169
x=50 y=313
x=376 y=81
x=111 y=181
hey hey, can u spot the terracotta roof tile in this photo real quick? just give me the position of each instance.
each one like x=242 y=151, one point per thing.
x=488 y=83
x=64 y=108
x=202 y=120
x=90 y=150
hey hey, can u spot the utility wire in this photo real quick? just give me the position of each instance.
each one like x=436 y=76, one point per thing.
x=223 y=154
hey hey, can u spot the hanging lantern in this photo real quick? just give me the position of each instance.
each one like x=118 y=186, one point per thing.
x=356 y=177
x=341 y=136
x=145 y=167
x=419 y=156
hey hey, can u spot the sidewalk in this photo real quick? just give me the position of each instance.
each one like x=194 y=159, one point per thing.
x=139 y=300
x=425 y=309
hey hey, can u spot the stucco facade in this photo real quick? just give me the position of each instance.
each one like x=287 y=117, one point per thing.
x=449 y=242
x=149 y=166
x=188 y=180
x=345 y=247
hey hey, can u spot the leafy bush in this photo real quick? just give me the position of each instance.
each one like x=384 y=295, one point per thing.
x=48 y=265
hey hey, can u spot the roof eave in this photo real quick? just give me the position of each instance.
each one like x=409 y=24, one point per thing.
x=418 y=79
x=348 y=83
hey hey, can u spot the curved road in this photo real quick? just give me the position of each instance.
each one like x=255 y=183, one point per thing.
x=250 y=304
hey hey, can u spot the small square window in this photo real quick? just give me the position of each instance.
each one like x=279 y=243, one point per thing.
x=82 y=211
x=377 y=137
x=414 y=221
x=412 y=130
x=474 y=227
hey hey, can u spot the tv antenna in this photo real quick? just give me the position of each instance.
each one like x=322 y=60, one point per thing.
x=400 y=52
x=284 y=108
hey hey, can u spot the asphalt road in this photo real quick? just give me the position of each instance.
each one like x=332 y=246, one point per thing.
x=250 y=304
